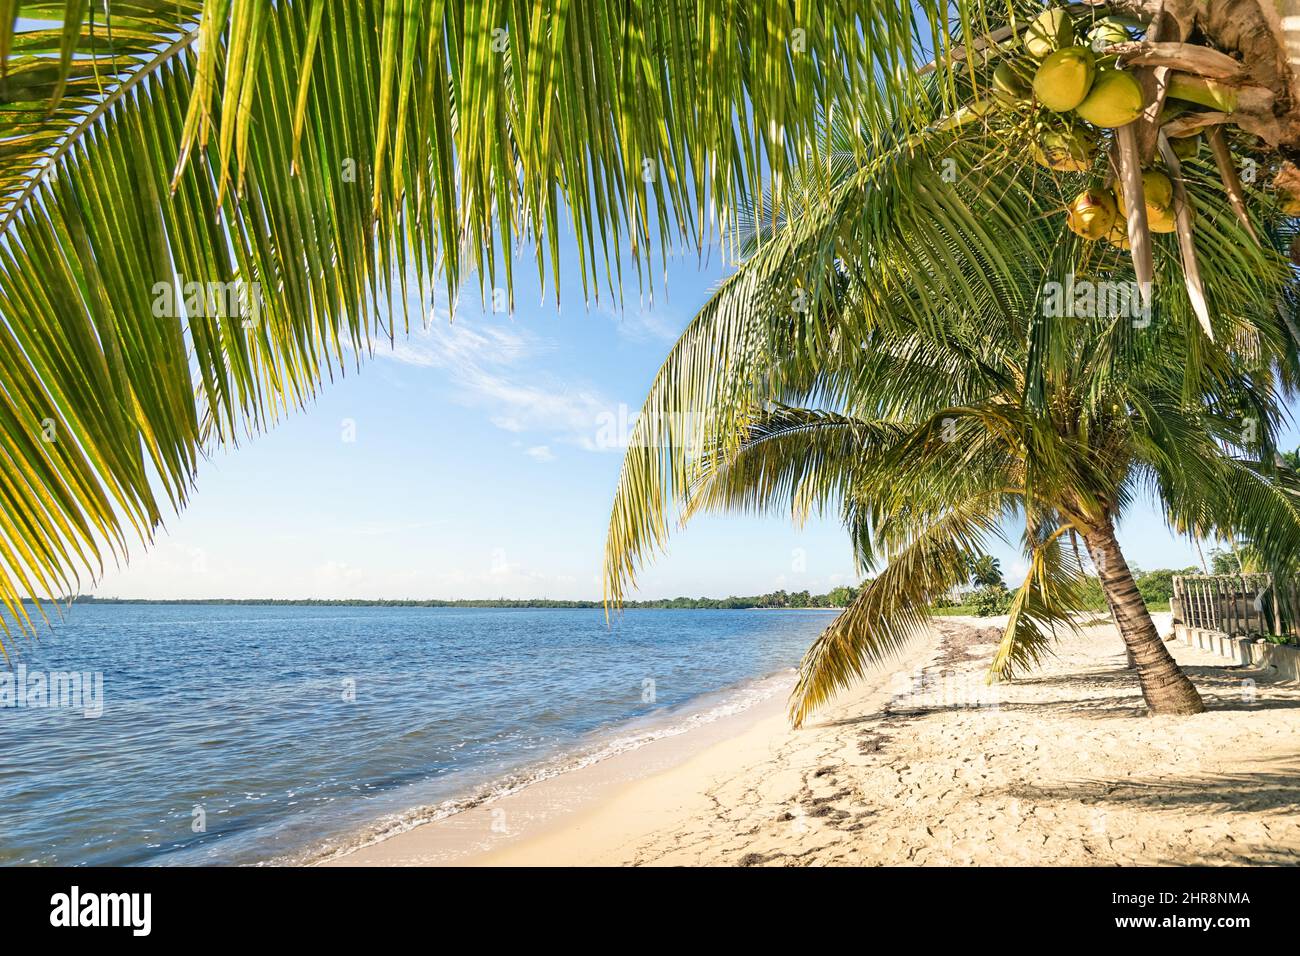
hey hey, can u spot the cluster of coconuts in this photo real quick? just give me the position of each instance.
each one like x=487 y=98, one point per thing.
x=1066 y=76
x=1099 y=213
x=1091 y=94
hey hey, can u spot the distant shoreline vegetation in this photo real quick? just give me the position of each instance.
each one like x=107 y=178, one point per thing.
x=1156 y=588
x=836 y=599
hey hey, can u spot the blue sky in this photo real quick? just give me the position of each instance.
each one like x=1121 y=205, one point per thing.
x=467 y=462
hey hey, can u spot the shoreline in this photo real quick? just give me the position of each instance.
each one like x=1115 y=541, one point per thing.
x=636 y=747
x=924 y=764
x=629 y=794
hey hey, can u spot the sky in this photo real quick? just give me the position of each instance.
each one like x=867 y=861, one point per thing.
x=472 y=460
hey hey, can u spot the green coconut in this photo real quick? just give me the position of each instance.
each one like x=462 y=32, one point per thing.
x=1068 y=151
x=1202 y=91
x=1115 y=100
x=1012 y=83
x=1051 y=30
x=1064 y=79
x=1186 y=147
x=1092 y=214
x=1106 y=32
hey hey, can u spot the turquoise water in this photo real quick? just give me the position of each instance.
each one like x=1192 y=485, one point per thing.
x=238 y=734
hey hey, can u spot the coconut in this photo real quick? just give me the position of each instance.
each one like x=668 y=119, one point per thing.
x=1161 y=220
x=1118 y=235
x=1115 y=100
x=1106 y=32
x=1157 y=192
x=1065 y=77
x=1051 y=30
x=1012 y=83
x=1186 y=147
x=1157 y=189
x=1092 y=214
x=1069 y=151
x=1202 y=91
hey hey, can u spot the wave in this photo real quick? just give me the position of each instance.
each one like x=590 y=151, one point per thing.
x=598 y=746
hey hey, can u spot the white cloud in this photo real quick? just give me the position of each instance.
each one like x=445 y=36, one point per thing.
x=648 y=324
x=451 y=345
x=484 y=363
x=541 y=453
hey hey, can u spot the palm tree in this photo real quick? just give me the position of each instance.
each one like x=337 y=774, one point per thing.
x=986 y=572
x=1118 y=417
x=926 y=394
x=208 y=208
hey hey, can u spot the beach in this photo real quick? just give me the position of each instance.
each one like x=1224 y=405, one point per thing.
x=924 y=764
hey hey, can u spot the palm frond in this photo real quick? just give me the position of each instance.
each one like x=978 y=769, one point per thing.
x=1046 y=601
x=894 y=608
x=799 y=459
x=332 y=161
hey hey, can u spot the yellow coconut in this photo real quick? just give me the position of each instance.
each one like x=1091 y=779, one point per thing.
x=1092 y=214
x=1114 y=100
x=1012 y=83
x=1051 y=30
x=1118 y=235
x=1065 y=77
x=1157 y=189
x=1161 y=220
x=1069 y=151
x=1157 y=193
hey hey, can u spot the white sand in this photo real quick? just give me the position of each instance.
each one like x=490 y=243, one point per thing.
x=1062 y=767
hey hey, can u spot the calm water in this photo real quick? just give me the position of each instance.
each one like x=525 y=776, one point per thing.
x=288 y=732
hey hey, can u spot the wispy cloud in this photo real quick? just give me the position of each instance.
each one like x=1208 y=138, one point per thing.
x=541 y=453
x=488 y=365
x=648 y=324
x=451 y=345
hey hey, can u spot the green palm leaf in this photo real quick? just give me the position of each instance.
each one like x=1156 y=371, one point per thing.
x=332 y=161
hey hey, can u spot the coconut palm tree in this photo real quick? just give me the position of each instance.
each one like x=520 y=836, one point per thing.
x=932 y=445
x=986 y=572
x=869 y=358
x=209 y=208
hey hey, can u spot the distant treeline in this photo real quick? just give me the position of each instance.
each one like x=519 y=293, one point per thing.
x=839 y=597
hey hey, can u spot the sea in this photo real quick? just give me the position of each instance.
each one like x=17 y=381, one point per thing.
x=137 y=734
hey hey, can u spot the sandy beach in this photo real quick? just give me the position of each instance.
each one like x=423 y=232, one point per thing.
x=923 y=764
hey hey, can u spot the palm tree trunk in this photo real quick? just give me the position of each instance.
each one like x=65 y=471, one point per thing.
x=1197 y=541
x=1165 y=687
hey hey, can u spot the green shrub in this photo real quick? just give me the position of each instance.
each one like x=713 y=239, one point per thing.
x=1157 y=587
x=991 y=601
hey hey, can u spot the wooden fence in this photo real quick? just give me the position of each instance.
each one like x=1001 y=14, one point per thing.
x=1239 y=605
